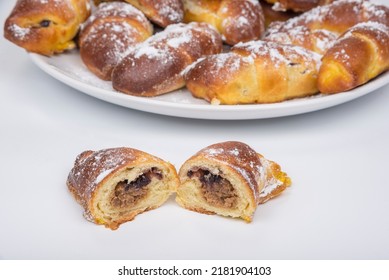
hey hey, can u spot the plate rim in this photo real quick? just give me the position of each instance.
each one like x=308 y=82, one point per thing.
x=208 y=111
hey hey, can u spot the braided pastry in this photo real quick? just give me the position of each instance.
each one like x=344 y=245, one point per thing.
x=254 y=72
x=115 y=185
x=297 y=5
x=237 y=21
x=107 y=35
x=229 y=179
x=359 y=55
x=154 y=67
x=46 y=26
x=318 y=28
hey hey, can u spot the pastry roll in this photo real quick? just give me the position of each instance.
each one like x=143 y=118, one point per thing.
x=229 y=179
x=46 y=26
x=108 y=33
x=359 y=55
x=114 y=185
x=254 y=72
x=155 y=66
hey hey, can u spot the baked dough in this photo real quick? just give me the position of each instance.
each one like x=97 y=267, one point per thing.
x=108 y=34
x=359 y=55
x=160 y=12
x=318 y=29
x=46 y=27
x=114 y=185
x=229 y=179
x=254 y=72
x=155 y=66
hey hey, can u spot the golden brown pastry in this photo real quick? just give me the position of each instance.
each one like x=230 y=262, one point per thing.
x=254 y=72
x=237 y=21
x=318 y=28
x=154 y=67
x=108 y=34
x=229 y=179
x=359 y=55
x=46 y=26
x=114 y=185
x=297 y=5
x=161 y=12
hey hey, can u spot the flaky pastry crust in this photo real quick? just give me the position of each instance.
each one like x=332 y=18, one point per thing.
x=229 y=179
x=115 y=185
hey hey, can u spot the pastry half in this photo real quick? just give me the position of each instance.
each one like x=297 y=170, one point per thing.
x=114 y=185
x=229 y=179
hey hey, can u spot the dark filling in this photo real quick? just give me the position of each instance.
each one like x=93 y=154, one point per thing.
x=216 y=190
x=45 y=23
x=129 y=193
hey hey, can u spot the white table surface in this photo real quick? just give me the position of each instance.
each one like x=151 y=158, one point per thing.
x=337 y=207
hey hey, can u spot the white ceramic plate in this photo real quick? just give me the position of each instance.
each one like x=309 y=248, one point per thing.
x=69 y=69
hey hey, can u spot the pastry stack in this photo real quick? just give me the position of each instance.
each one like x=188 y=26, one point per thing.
x=223 y=51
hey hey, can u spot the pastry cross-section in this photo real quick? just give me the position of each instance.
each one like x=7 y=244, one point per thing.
x=229 y=179
x=114 y=185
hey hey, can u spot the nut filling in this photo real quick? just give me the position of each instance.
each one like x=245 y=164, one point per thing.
x=129 y=193
x=216 y=190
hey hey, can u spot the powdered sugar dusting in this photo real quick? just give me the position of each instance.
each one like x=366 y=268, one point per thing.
x=342 y=49
x=117 y=9
x=110 y=32
x=278 y=54
x=270 y=186
x=270 y=183
x=301 y=30
x=117 y=36
x=381 y=29
x=213 y=151
x=18 y=32
x=171 y=11
x=174 y=36
x=91 y=168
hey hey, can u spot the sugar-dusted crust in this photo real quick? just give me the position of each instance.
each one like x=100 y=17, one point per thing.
x=229 y=179
x=318 y=28
x=358 y=56
x=114 y=185
x=237 y=21
x=154 y=67
x=254 y=72
x=108 y=34
x=46 y=26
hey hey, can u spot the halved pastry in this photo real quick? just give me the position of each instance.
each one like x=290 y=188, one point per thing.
x=114 y=185
x=229 y=179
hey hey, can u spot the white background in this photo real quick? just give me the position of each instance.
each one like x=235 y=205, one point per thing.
x=337 y=207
